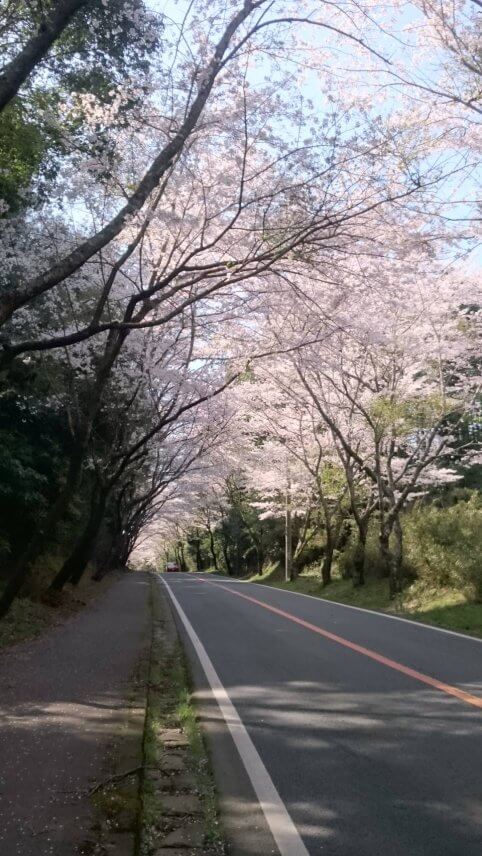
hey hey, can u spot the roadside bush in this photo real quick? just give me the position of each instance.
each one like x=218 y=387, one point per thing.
x=274 y=570
x=42 y=574
x=374 y=566
x=445 y=545
x=311 y=553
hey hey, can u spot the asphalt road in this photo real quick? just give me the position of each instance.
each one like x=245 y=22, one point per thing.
x=368 y=758
x=62 y=704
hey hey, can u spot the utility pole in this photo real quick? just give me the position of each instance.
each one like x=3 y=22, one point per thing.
x=288 y=534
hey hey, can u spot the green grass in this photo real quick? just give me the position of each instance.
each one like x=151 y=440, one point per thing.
x=170 y=705
x=25 y=620
x=450 y=609
x=186 y=714
x=447 y=608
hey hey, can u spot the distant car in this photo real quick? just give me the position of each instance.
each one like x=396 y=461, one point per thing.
x=171 y=566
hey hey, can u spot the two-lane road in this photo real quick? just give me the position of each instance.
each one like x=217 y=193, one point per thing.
x=367 y=728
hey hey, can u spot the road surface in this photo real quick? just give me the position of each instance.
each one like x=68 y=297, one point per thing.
x=62 y=703
x=364 y=731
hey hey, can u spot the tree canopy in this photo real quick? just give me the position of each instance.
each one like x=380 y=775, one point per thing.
x=238 y=290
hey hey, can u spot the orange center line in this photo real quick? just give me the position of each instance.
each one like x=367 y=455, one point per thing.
x=475 y=701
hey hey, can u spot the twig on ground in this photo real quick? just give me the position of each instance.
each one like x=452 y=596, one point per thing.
x=117 y=778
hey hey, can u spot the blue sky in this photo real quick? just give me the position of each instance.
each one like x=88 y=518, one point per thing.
x=455 y=192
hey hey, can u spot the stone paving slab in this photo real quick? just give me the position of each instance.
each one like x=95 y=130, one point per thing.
x=174 y=739
x=177 y=782
x=181 y=804
x=171 y=763
x=188 y=835
x=176 y=851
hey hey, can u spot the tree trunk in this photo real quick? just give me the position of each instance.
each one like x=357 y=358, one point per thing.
x=343 y=537
x=359 y=557
x=227 y=560
x=16 y=72
x=384 y=542
x=113 y=560
x=179 y=550
x=259 y=560
x=213 y=549
x=36 y=544
x=327 y=561
x=288 y=538
x=182 y=563
x=73 y=568
x=124 y=554
x=396 y=560
x=237 y=560
x=199 y=561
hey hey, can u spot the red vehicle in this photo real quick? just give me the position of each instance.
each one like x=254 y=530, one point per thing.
x=171 y=567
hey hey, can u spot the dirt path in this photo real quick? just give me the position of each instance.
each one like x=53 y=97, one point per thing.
x=62 y=700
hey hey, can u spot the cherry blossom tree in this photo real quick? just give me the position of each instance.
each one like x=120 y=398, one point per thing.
x=385 y=384
x=228 y=57
x=171 y=388
x=227 y=214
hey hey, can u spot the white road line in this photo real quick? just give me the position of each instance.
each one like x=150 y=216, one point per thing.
x=376 y=612
x=279 y=821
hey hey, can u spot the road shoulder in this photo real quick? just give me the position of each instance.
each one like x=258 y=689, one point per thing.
x=246 y=829
x=179 y=802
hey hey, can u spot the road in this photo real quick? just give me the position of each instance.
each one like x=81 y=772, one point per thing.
x=62 y=704
x=367 y=729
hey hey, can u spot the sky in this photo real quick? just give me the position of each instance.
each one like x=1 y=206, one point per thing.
x=403 y=25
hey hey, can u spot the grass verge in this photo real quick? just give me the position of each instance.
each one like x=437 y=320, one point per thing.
x=26 y=619
x=170 y=706
x=445 y=608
